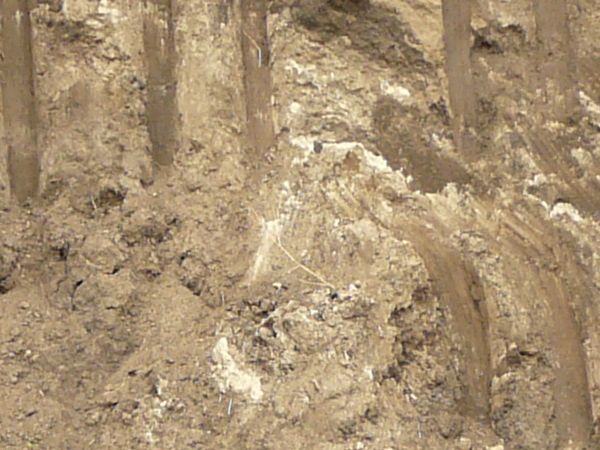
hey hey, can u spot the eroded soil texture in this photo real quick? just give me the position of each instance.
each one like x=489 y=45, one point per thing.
x=317 y=224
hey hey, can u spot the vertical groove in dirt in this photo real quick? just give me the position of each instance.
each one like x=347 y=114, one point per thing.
x=460 y=290
x=257 y=75
x=161 y=62
x=556 y=56
x=18 y=99
x=456 y=16
x=573 y=405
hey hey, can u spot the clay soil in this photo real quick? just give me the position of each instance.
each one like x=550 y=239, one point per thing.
x=316 y=224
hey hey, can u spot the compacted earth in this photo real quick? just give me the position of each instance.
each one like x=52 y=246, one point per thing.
x=374 y=224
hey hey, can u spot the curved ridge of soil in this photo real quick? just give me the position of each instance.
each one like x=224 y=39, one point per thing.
x=457 y=285
x=572 y=401
x=456 y=282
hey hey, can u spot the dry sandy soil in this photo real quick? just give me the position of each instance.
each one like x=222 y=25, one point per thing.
x=380 y=231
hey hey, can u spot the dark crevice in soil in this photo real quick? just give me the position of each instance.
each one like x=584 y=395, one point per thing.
x=370 y=28
x=495 y=40
x=5 y=286
x=399 y=141
x=109 y=198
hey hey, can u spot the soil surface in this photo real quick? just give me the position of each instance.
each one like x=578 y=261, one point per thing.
x=316 y=224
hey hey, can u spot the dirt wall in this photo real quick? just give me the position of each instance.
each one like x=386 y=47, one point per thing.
x=379 y=232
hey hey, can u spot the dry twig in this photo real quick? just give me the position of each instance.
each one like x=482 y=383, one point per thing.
x=323 y=281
